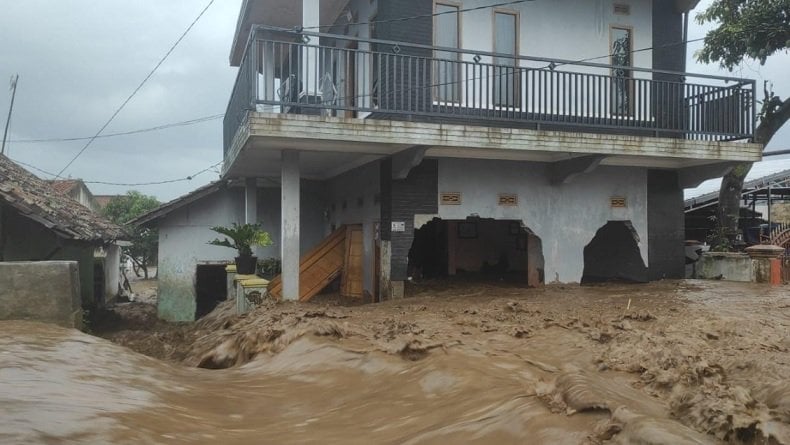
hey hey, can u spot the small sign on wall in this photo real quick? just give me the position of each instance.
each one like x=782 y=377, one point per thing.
x=398 y=226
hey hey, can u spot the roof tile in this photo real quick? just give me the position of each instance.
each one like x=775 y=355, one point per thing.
x=36 y=199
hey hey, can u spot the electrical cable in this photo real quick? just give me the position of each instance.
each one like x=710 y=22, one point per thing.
x=136 y=90
x=170 y=181
x=125 y=133
x=135 y=184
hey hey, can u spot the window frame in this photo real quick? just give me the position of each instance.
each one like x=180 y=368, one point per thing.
x=630 y=77
x=435 y=96
x=517 y=91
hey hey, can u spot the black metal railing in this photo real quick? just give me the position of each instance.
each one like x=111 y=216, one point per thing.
x=286 y=71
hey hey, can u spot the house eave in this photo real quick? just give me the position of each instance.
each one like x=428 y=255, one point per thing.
x=152 y=217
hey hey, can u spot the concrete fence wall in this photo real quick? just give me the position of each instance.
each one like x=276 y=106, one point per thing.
x=41 y=291
x=733 y=267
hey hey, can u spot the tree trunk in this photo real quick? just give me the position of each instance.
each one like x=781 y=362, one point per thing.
x=730 y=204
x=144 y=266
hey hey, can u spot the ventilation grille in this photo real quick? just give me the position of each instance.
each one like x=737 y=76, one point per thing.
x=508 y=199
x=618 y=203
x=450 y=199
x=622 y=9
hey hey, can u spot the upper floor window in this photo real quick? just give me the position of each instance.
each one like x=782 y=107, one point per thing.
x=622 y=58
x=506 y=79
x=447 y=70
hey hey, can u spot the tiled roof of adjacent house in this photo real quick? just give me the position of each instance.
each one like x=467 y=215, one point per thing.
x=63 y=186
x=35 y=199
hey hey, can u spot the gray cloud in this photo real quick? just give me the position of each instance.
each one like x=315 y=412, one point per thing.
x=79 y=59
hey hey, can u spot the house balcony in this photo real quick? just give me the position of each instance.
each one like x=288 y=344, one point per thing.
x=340 y=83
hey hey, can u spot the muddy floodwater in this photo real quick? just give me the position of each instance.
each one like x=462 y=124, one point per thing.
x=668 y=363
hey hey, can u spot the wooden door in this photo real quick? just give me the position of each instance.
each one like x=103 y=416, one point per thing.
x=352 y=280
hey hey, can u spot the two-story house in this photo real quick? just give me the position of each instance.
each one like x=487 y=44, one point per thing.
x=547 y=141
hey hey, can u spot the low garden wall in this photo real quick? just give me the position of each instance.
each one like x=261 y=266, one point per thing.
x=729 y=266
x=46 y=291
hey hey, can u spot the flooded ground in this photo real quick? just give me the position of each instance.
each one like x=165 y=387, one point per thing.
x=668 y=363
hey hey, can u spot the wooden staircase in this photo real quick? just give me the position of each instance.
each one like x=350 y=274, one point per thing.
x=324 y=263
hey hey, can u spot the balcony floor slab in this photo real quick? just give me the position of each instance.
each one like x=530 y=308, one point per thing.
x=336 y=143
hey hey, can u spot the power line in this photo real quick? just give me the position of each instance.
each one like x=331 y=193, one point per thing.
x=134 y=184
x=170 y=181
x=125 y=133
x=136 y=90
x=34 y=168
x=423 y=16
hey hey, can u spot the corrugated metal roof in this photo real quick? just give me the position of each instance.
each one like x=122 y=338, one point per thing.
x=35 y=199
x=782 y=177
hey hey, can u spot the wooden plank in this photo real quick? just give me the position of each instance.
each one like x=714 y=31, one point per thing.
x=318 y=267
x=352 y=281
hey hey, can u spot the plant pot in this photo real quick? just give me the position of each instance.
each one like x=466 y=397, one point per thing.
x=246 y=265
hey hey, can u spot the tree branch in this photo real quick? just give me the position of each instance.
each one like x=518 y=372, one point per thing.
x=773 y=120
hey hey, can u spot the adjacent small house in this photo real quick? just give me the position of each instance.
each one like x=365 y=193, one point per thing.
x=39 y=224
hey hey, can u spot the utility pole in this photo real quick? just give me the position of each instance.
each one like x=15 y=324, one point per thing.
x=14 y=81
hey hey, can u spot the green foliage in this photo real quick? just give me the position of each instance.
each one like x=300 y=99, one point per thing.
x=145 y=241
x=242 y=237
x=122 y=209
x=719 y=240
x=753 y=29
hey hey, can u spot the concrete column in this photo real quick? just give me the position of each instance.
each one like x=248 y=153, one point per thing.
x=385 y=292
x=112 y=272
x=311 y=17
x=250 y=200
x=289 y=225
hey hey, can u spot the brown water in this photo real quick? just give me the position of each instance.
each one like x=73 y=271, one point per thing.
x=684 y=364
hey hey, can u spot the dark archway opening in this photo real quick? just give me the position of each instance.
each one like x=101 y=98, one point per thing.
x=210 y=288
x=477 y=249
x=613 y=255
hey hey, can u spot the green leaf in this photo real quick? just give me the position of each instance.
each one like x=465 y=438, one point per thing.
x=242 y=237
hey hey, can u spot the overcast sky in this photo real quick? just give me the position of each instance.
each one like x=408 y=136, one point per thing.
x=79 y=59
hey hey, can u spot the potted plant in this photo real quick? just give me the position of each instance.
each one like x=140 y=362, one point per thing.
x=243 y=237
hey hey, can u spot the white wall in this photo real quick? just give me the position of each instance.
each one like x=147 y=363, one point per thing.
x=562 y=29
x=361 y=183
x=183 y=238
x=565 y=217
x=558 y=29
